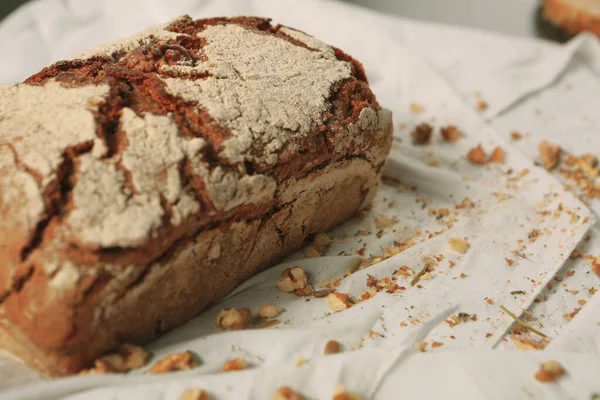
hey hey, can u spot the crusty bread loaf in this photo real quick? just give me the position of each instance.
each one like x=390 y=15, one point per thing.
x=573 y=16
x=145 y=179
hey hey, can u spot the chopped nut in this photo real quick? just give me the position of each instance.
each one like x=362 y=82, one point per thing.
x=385 y=222
x=286 y=393
x=509 y=262
x=312 y=253
x=516 y=135
x=333 y=347
x=436 y=344
x=451 y=133
x=269 y=311
x=549 y=371
x=341 y=393
x=422 y=134
x=305 y=291
x=100 y=367
x=481 y=105
x=234 y=318
x=497 y=155
x=235 y=365
x=550 y=154
x=416 y=107
x=174 y=362
x=292 y=279
x=477 y=155
x=194 y=394
x=458 y=245
x=338 y=301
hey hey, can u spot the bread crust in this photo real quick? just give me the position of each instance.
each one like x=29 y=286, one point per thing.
x=153 y=198
x=571 y=18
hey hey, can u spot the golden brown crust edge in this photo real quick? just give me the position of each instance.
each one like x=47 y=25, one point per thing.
x=571 y=19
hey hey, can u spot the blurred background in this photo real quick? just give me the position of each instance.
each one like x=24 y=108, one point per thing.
x=515 y=17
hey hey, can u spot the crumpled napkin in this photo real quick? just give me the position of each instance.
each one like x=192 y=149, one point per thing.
x=446 y=71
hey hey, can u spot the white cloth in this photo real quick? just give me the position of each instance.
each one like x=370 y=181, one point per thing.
x=441 y=68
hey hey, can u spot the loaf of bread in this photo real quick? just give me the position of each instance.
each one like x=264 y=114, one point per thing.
x=144 y=180
x=573 y=16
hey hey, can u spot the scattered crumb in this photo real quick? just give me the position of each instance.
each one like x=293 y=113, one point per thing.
x=422 y=134
x=416 y=107
x=458 y=245
x=235 y=364
x=549 y=371
x=436 y=344
x=194 y=394
x=509 y=262
x=481 y=105
x=550 y=154
x=174 y=362
x=516 y=135
x=341 y=393
x=333 y=347
x=497 y=155
x=477 y=155
x=421 y=346
x=450 y=133
x=286 y=393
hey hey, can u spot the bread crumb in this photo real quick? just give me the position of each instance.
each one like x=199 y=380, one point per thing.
x=333 y=347
x=421 y=346
x=194 y=394
x=235 y=364
x=422 y=134
x=451 y=133
x=516 y=135
x=550 y=154
x=416 y=107
x=481 y=105
x=549 y=371
x=458 y=245
x=341 y=393
x=286 y=393
x=174 y=362
x=477 y=155
x=497 y=155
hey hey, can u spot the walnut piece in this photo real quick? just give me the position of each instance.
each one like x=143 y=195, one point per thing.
x=235 y=365
x=458 y=245
x=550 y=154
x=194 y=394
x=269 y=311
x=333 y=347
x=422 y=134
x=287 y=393
x=313 y=253
x=549 y=371
x=234 y=318
x=292 y=279
x=451 y=133
x=338 y=301
x=174 y=362
x=477 y=155
x=322 y=240
x=127 y=358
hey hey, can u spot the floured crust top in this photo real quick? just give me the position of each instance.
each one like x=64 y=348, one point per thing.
x=134 y=145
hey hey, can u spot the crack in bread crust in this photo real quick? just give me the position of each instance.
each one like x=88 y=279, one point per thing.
x=160 y=169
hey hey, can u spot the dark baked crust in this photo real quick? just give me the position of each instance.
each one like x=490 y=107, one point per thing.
x=176 y=271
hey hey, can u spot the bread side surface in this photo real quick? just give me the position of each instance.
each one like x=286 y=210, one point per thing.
x=166 y=168
x=573 y=16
